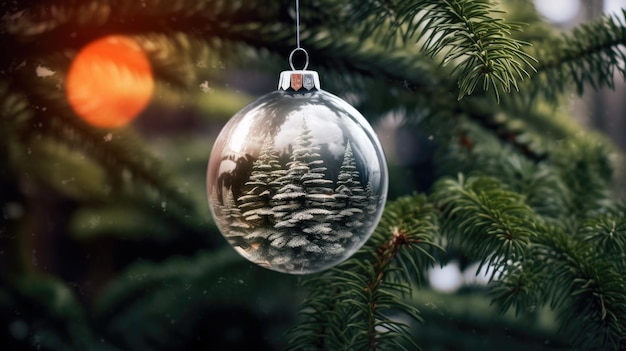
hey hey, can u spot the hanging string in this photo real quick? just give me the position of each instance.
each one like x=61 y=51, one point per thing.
x=298 y=48
x=298 y=24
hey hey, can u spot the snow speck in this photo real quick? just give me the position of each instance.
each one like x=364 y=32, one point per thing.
x=44 y=72
x=204 y=86
x=68 y=180
x=34 y=258
x=108 y=137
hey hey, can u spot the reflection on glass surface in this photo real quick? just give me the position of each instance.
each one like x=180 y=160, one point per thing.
x=297 y=182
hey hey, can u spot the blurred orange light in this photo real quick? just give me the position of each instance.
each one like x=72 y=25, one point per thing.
x=110 y=82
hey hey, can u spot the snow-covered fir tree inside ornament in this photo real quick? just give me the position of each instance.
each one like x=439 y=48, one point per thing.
x=297 y=180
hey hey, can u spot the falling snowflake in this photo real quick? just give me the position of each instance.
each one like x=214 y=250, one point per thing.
x=204 y=86
x=44 y=72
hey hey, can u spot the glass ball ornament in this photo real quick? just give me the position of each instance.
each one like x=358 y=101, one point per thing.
x=297 y=180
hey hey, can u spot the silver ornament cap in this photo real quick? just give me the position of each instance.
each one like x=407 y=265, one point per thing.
x=300 y=81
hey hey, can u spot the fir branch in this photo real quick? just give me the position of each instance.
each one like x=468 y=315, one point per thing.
x=606 y=234
x=124 y=158
x=587 y=288
x=438 y=17
x=360 y=293
x=537 y=278
x=492 y=223
x=586 y=168
x=591 y=54
x=52 y=311
x=192 y=35
x=378 y=298
x=55 y=19
x=322 y=322
x=575 y=278
x=187 y=301
x=466 y=31
x=518 y=155
x=468 y=35
x=227 y=26
x=521 y=288
x=120 y=152
x=507 y=128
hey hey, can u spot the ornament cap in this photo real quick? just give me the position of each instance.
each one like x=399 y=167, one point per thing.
x=300 y=81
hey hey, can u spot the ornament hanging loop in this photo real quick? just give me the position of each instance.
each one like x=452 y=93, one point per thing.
x=306 y=62
x=298 y=48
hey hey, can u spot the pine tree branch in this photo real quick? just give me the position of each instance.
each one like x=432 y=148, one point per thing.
x=58 y=21
x=492 y=223
x=360 y=293
x=51 y=310
x=120 y=151
x=405 y=70
x=384 y=257
x=175 y=35
x=539 y=182
x=607 y=234
x=465 y=321
x=466 y=34
x=586 y=168
x=591 y=54
x=588 y=289
x=464 y=31
x=469 y=33
x=578 y=271
x=500 y=126
x=187 y=302
x=43 y=33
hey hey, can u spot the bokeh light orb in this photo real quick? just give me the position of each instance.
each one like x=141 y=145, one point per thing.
x=110 y=82
x=297 y=180
x=558 y=11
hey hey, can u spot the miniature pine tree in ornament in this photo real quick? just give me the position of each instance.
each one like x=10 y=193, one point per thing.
x=297 y=180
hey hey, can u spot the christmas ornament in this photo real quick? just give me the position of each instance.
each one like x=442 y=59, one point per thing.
x=297 y=180
x=109 y=82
